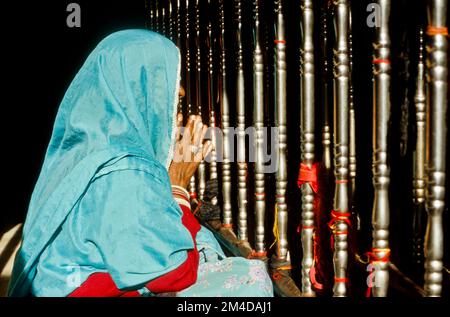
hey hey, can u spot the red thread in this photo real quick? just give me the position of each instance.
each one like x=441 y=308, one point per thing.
x=437 y=30
x=300 y=228
x=312 y=277
x=255 y=254
x=342 y=181
x=227 y=225
x=308 y=175
x=381 y=61
x=193 y=195
x=276 y=276
x=340 y=279
x=374 y=259
x=338 y=216
x=279 y=42
x=260 y=194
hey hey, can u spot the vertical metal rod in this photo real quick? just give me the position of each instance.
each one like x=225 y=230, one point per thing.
x=258 y=123
x=177 y=38
x=163 y=18
x=280 y=122
x=240 y=114
x=211 y=97
x=192 y=184
x=178 y=23
x=352 y=117
x=340 y=213
x=225 y=120
x=419 y=174
x=437 y=64
x=307 y=104
x=382 y=104
x=170 y=34
x=152 y=14
x=326 y=130
x=198 y=96
x=157 y=22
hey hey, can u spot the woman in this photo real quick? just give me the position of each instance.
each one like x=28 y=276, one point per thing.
x=110 y=215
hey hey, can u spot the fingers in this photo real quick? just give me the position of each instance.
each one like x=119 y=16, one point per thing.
x=179 y=126
x=207 y=147
x=199 y=135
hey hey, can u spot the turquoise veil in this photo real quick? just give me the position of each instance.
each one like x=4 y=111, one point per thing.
x=119 y=111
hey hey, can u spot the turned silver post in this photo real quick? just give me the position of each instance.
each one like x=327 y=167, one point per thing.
x=152 y=15
x=419 y=185
x=157 y=26
x=437 y=70
x=381 y=109
x=307 y=104
x=340 y=213
x=240 y=114
x=201 y=172
x=170 y=23
x=258 y=123
x=211 y=99
x=227 y=218
x=163 y=18
x=192 y=185
x=352 y=118
x=280 y=122
x=326 y=130
x=178 y=23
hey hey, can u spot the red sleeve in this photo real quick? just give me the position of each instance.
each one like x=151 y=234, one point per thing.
x=102 y=284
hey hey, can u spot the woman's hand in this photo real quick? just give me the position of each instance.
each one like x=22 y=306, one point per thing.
x=189 y=150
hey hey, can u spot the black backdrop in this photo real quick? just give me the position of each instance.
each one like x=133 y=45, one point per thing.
x=43 y=55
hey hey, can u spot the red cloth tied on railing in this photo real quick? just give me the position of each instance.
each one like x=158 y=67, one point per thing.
x=373 y=257
x=308 y=175
x=338 y=216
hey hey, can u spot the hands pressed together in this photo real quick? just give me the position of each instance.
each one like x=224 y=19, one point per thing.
x=190 y=150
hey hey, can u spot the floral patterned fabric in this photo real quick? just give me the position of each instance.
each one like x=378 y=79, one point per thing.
x=219 y=276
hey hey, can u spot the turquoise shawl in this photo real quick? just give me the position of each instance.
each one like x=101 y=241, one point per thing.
x=118 y=113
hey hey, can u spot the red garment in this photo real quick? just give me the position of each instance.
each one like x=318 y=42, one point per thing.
x=102 y=285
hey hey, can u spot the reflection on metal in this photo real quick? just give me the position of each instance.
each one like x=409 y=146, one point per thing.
x=437 y=63
x=280 y=122
x=258 y=123
x=382 y=109
x=307 y=104
x=240 y=115
x=225 y=120
x=340 y=214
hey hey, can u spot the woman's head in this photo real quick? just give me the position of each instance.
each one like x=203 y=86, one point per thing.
x=124 y=96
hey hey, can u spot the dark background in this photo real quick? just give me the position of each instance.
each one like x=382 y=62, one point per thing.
x=43 y=55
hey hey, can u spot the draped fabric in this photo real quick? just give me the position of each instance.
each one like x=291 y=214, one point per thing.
x=114 y=129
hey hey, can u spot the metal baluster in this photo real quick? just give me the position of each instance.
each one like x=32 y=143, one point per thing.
x=326 y=130
x=192 y=183
x=258 y=123
x=340 y=214
x=382 y=105
x=280 y=122
x=437 y=64
x=225 y=120
x=211 y=97
x=352 y=118
x=307 y=104
x=201 y=172
x=240 y=113
x=419 y=184
x=157 y=22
